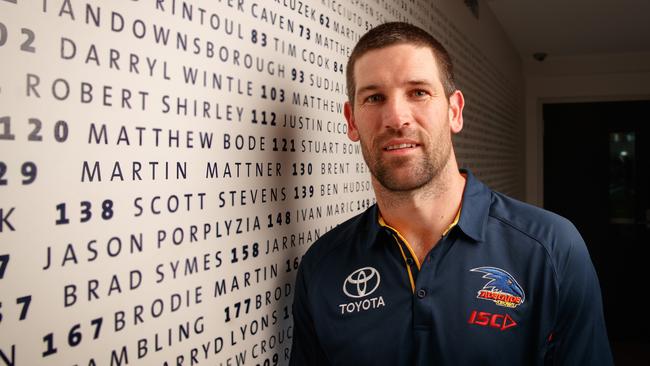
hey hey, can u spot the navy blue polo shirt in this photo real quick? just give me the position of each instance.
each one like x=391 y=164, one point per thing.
x=510 y=284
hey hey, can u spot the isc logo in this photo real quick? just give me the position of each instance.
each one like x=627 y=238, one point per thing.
x=486 y=319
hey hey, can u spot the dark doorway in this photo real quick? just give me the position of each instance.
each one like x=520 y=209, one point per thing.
x=596 y=163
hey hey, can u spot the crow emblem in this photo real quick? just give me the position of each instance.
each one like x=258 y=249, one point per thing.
x=501 y=288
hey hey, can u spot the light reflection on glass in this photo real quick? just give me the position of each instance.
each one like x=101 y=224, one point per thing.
x=622 y=176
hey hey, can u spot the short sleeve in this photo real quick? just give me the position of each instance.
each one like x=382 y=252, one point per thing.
x=580 y=336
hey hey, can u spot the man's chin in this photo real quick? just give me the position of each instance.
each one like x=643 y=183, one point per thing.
x=401 y=184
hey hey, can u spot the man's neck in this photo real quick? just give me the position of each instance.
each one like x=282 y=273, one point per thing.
x=423 y=215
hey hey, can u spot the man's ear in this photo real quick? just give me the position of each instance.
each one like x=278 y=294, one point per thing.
x=456 y=105
x=353 y=132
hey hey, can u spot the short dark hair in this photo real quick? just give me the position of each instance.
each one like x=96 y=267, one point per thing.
x=394 y=33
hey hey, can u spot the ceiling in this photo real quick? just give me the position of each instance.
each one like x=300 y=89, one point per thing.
x=575 y=27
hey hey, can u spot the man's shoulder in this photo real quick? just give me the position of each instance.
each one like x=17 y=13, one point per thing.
x=548 y=228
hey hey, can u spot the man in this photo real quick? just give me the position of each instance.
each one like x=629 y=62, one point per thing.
x=442 y=271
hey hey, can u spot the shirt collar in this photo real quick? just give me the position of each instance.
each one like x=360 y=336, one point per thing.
x=476 y=207
x=474 y=211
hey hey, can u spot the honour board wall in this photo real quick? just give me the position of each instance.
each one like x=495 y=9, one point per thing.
x=164 y=165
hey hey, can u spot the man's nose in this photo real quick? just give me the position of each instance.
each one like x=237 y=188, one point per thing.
x=396 y=113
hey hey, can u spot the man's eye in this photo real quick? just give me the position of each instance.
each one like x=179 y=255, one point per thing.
x=374 y=98
x=419 y=93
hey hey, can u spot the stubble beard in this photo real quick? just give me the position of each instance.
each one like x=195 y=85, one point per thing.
x=422 y=170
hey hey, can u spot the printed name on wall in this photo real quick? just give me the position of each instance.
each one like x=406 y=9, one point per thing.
x=166 y=163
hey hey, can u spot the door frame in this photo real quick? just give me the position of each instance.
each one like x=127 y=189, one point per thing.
x=534 y=136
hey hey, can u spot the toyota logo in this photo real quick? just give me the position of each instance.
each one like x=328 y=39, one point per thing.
x=362 y=282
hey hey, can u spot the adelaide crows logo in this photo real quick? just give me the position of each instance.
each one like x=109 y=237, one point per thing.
x=501 y=288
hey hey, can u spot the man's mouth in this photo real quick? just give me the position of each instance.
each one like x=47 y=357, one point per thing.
x=400 y=147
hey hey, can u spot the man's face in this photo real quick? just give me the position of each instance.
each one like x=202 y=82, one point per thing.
x=402 y=116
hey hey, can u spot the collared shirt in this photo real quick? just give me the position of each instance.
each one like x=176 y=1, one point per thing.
x=405 y=246
x=509 y=284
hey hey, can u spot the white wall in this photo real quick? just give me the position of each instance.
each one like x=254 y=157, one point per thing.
x=489 y=72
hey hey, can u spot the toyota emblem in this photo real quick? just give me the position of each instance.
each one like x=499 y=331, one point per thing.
x=362 y=282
